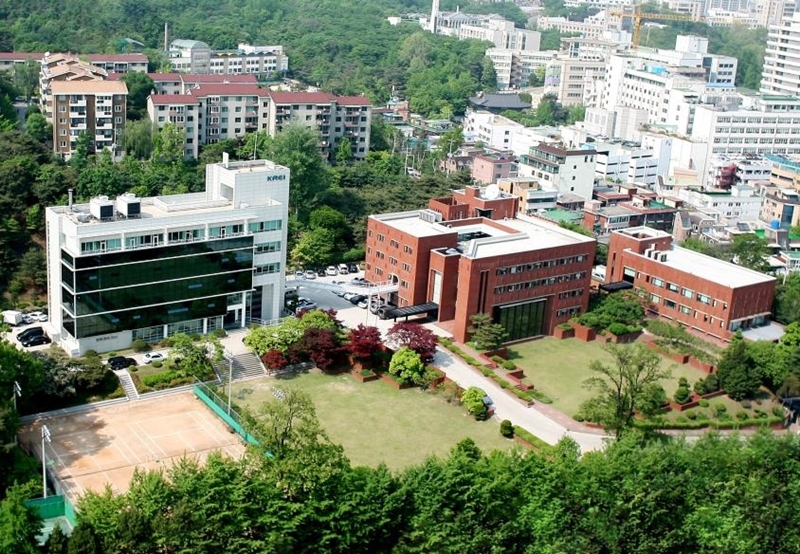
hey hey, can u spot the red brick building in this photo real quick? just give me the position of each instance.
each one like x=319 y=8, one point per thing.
x=472 y=253
x=703 y=293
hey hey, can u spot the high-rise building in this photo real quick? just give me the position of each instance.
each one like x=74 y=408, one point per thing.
x=133 y=268
x=781 y=73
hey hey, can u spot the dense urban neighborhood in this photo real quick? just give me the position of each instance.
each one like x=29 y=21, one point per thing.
x=399 y=276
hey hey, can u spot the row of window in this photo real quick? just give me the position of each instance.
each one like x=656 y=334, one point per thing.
x=570 y=294
x=268 y=247
x=266 y=269
x=514 y=287
x=264 y=226
x=539 y=265
x=687 y=293
x=568 y=311
x=685 y=310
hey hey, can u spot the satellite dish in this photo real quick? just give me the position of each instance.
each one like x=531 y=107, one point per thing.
x=492 y=192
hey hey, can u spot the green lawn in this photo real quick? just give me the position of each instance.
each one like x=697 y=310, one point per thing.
x=558 y=368
x=376 y=423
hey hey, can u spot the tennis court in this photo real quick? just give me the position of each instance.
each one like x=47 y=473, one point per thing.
x=88 y=450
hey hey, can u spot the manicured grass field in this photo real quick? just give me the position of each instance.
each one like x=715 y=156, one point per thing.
x=376 y=423
x=558 y=368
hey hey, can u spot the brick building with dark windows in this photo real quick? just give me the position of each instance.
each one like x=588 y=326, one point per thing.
x=474 y=253
x=707 y=295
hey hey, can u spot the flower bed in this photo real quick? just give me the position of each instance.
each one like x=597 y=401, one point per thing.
x=586 y=334
x=389 y=378
x=364 y=375
x=566 y=332
x=701 y=365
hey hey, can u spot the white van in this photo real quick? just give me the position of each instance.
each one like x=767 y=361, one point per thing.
x=343 y=269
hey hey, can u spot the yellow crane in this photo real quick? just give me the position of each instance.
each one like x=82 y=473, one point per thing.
x=637 y=15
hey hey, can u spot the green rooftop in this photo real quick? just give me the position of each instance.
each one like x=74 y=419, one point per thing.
x=559 y=215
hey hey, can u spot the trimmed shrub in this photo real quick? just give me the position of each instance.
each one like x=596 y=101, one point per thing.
x=703 y=403
x=220 y=333
x=133 y=369
x=366 y=372
x=682 y=395
x=538 y=395
x=157 y=364
x=746 y=404
x=509 y=365
x=719 y=408
x=140 y=345
x=777 y=411
x=691 y=415
x=497 y=359
x=741 y=415
x=507 y=429
x=91 y=354
x=533 y=440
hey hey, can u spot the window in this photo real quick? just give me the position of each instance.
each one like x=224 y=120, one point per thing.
x=264 y=226
x=670 y=304
x=672 y=287
x=381 y=238
x=406 y=267
x=687 y=293
x=406 y=249
x=118 y=108
x=703 y=299
x=267 y=247
x=657 y=282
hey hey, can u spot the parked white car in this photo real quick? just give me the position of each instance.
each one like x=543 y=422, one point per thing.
x=151 y=357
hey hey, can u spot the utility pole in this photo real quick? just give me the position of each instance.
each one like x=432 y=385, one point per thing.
x=45 y=437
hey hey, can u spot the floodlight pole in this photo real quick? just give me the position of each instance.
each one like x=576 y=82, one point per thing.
x=45 y=437
x=229 y=357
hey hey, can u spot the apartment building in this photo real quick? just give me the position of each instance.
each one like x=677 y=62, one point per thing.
x=194 y=56
x=10 y=60
x=534 y=197
x=781 y=204
x=182 y=110
x=119 y=63
x=503 y=34
x=568 y=170
x=625 y=162
x=472 y=253
x=705 y=294
x=740 y=203
x=337 y=118
x=491 y=130
x=182 y=83
x=570 y=78
x=96 y=108
x=147 y=268
x=228 y=110
x=781 y=73
x=63 y=68
x=487 y=168
x=637 y=209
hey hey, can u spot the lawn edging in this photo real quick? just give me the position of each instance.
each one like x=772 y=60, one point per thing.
x=527 y=396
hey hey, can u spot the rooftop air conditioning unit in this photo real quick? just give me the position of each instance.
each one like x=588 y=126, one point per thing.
x=101 y=208
x=663 y=257
x=128 y=205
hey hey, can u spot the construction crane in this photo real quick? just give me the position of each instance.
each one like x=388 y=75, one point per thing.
x=637 y=15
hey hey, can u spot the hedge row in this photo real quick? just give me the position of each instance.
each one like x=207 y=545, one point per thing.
x=527 y=396
x=727 y=424
x=535 y=441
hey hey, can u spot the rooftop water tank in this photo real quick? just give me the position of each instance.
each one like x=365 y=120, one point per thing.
x=775 y=224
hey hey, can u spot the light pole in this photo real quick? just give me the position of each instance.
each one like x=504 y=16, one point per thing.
x=17 y=393
x=229 y=357
x=45 y=437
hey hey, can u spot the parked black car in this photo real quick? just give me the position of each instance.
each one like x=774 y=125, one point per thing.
x=321 y=272
x=358 y=298
x=120 y=362
x=353 y=268
x=35 y=340
x=29 y=333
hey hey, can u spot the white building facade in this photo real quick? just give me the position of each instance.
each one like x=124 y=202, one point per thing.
x=130 y=268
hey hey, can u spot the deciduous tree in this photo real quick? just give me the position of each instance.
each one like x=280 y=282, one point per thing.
x=407 y=366
x=413 y=335
x=364 y=342
x=620 y=386
x=737 y=372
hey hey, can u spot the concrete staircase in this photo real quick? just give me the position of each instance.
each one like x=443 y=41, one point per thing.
x=127 y=384
x=245 y=366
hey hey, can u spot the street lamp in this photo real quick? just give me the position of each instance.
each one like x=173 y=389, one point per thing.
x=45 y=437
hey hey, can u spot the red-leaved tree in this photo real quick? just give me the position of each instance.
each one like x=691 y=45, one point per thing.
x=321 y=347
x=413 y=335
x=365 y=342
x=274 y=359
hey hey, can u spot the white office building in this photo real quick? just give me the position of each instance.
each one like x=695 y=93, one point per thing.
x=625 y=162
x=494 y=131
x=727 y=207
x=147 y=268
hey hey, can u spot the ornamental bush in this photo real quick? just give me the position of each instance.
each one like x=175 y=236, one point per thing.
x=507 y=429
x=682 y=395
